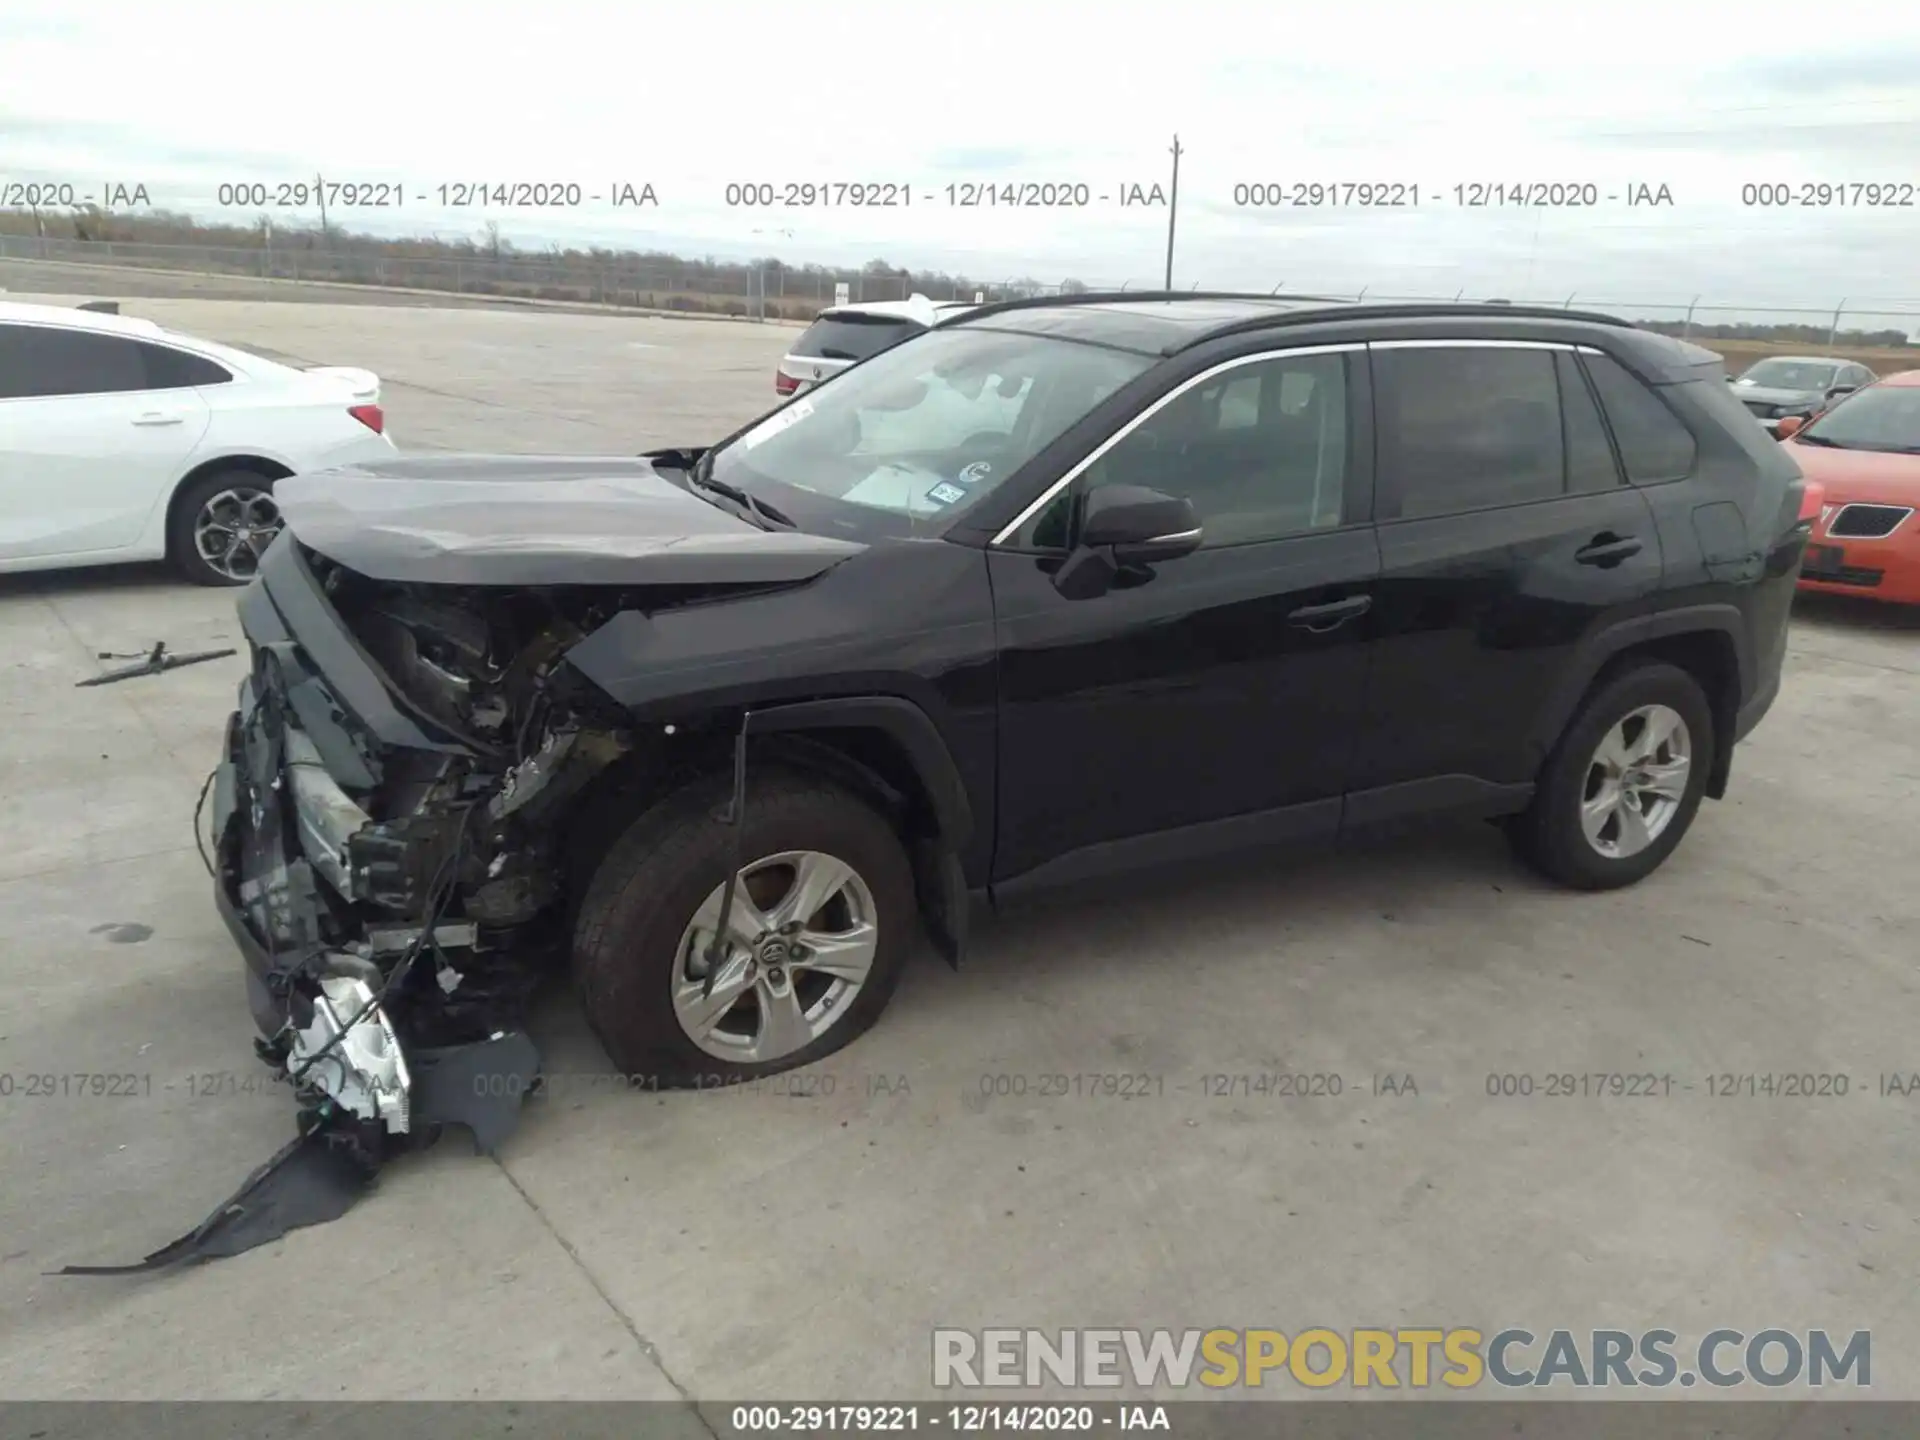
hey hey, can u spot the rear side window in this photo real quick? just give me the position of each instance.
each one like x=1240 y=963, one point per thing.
x=1590 y=465
x=38 y=361
x=1654 y=445
x=853 y=337
x=1469 y=427
x=170 y=369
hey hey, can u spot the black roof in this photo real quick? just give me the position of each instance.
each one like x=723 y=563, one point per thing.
x=1166 y=322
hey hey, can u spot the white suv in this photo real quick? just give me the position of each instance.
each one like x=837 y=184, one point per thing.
x=121 y=440
x=842 y=335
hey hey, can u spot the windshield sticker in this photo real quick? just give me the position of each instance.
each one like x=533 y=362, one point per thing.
x=780 y=420
x=946 y=494
x=978 y=470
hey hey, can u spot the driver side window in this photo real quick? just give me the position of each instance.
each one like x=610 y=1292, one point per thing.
x=1260 y=450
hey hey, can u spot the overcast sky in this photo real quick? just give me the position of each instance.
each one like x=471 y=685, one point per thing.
x=1703 y=98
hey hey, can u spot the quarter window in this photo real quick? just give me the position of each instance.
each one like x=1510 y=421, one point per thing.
x=170 y=369
x=1654 y=445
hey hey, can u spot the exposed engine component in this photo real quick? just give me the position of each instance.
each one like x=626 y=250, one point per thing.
x=350 y=1052
x=325 y=814
x=554 y=774
x=402 y=903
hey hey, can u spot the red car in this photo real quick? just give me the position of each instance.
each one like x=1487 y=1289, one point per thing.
x=1864 y=453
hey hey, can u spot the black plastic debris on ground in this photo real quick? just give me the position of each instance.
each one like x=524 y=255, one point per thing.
x=308 y=1182
x=319 y=1176
x=157 y=660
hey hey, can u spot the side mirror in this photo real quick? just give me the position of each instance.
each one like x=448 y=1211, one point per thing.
x=1840 y=390
x=1139 y=526
x=1124 y=526
x=1788 y=425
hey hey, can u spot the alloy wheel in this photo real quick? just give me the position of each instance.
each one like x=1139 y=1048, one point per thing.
x=1636 y=781
x=233 y=530
x=802 y=936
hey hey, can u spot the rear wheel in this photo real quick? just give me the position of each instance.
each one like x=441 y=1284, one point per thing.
x=821 y=922
x=222 y=524
x=1623 y=784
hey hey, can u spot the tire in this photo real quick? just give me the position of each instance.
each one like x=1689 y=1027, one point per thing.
x=1551 y=835
x=253 y=497
x=668 y=866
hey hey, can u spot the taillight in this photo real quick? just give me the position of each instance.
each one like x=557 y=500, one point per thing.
x=1812 y=496
x=784 y=384
x=371 y=416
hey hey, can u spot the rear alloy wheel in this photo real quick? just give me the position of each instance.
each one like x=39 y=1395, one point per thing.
x=222 y=526
x=1623 y=784
x=822 y=920
x=1636 y=780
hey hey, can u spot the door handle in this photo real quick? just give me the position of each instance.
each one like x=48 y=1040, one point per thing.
x=1322 y=618
x=1607 y=550
x=159 y=417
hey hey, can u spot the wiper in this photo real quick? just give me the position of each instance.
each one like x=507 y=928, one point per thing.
x=751 y=504
x=827 y=352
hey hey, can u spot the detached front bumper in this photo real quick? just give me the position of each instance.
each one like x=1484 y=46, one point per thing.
x=270 y=1011
x=373 y=992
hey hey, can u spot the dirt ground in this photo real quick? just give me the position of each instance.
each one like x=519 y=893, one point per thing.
x=1882 y=360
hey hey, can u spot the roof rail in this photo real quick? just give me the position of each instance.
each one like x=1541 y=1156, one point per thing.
x=1317 y=308
x=1108 y=297
x=1441 y=309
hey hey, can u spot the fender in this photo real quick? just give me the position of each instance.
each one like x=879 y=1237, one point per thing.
x=938 y=877
x=1604 y=644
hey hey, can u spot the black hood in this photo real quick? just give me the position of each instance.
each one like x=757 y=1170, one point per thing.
x=537 y=520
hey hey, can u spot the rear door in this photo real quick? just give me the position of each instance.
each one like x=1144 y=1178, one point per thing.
x=1507 y=534
x=94 y=430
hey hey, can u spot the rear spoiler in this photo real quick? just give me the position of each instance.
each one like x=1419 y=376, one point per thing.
x=364 y=384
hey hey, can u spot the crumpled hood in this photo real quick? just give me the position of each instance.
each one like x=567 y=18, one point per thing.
x=537 y=520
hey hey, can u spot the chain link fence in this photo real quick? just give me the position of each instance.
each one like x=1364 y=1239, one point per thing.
x=764 y=290
x=769 y=290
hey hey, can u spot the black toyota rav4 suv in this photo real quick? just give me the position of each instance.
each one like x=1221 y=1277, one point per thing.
x=1064 y=587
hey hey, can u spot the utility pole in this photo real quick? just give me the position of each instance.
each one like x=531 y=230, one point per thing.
x=320 y=186
x=1173 y=210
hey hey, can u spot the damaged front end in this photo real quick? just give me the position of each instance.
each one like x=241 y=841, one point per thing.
x=390 y=856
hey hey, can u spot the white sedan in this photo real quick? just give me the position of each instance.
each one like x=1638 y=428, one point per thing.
x=121 y=441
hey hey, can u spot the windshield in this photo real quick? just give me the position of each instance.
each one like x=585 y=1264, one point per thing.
x=924 y=430
x=1788 y=375
x=1882 y=417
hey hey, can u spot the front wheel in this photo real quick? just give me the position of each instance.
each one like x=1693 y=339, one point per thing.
x=820 y=926
x=1623 y=784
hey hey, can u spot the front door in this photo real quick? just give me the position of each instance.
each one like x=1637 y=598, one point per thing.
x=1211 y=701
